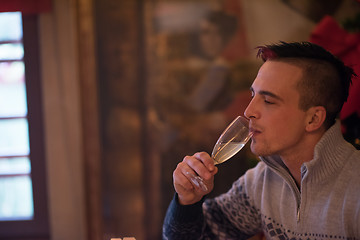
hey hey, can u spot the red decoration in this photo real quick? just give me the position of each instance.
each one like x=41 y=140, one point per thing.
x=25 y=6
x=345 y=46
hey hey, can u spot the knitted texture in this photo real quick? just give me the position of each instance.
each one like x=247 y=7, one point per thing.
x=266 y=199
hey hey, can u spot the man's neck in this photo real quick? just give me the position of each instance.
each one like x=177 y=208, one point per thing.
x=294 y=166
x=304 y=153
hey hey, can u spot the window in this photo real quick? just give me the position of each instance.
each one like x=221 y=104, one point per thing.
x=16 y=200
x=22 y=165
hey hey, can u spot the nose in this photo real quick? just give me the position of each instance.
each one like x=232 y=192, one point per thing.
x=250 y=111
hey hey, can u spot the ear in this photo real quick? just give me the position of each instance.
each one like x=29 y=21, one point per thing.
x=315 y=118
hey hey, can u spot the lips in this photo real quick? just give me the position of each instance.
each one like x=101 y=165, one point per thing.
x=254 y=130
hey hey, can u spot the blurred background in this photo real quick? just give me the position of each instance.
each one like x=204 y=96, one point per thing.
x=100 y=99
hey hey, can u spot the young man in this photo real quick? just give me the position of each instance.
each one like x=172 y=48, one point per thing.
x=307 y=184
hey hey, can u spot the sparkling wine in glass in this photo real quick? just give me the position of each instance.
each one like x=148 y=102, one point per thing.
x=231 y=141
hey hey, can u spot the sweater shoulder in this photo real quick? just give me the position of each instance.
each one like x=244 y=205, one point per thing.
x=252 y=182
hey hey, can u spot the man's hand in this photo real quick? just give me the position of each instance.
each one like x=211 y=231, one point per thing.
x=199 y=164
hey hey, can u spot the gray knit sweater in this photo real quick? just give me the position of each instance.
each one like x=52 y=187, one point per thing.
x=266 y=199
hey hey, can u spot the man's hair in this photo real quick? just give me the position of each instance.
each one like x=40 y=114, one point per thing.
x=325 y=81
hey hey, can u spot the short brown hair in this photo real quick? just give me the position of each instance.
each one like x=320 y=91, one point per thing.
x=326 y=80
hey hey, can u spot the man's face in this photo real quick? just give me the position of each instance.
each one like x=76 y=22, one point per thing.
x=275 y=118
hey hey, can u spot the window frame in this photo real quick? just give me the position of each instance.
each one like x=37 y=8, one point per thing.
x=38 y=227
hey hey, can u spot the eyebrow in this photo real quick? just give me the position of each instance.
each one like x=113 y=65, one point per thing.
x=267 y=93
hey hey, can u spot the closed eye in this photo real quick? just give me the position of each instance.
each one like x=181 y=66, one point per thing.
x=267 y=94
x=268 y=102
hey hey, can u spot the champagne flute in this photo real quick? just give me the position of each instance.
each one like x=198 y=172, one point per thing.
x=231 y=141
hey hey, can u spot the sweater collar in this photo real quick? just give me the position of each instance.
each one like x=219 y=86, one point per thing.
x=330 y=155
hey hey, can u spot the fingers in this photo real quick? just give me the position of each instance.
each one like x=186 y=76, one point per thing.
x=198 y=165
x=187 y=192
x=202 y=164
x=181 y=176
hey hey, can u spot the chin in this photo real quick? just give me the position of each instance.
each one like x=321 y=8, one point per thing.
x=259 y=150
x=254 y=149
